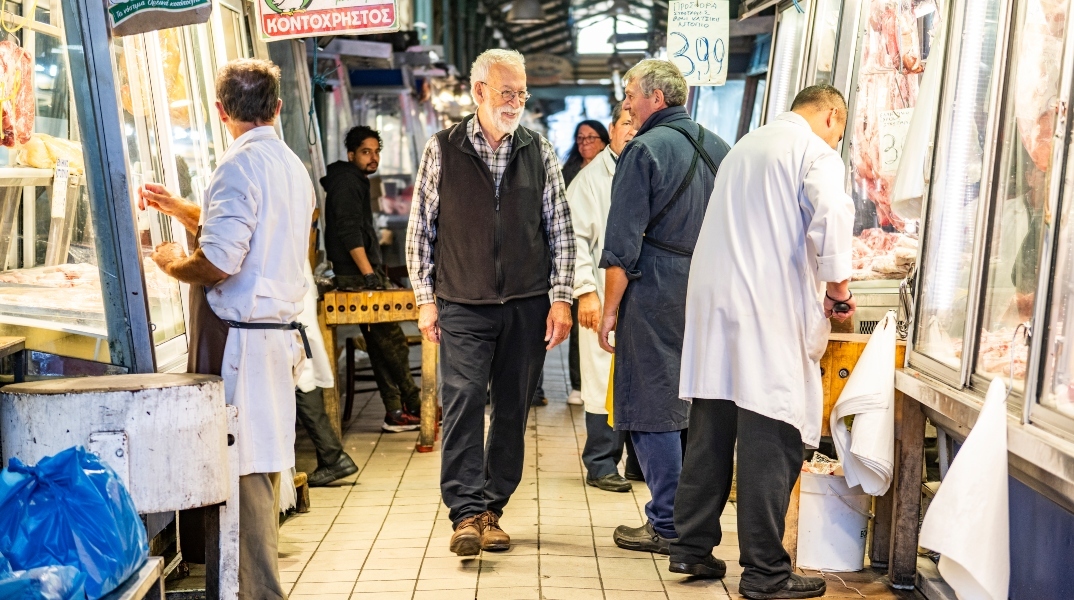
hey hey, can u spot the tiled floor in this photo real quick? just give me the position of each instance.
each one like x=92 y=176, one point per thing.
x=384 y=534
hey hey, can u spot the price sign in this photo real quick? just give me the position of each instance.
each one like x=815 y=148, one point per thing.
x=698 y=35
x=59 y=189
x=894 y=124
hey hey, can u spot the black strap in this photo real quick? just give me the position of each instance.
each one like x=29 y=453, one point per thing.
x=284 y=326
x=699 y=151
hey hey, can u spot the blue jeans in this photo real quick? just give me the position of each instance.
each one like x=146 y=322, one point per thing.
x=660 y=456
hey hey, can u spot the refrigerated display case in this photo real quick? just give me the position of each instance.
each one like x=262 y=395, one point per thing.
x=813 y=44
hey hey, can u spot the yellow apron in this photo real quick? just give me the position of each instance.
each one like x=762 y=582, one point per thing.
x=608 y=404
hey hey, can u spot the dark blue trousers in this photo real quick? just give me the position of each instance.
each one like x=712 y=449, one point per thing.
x=660 y=456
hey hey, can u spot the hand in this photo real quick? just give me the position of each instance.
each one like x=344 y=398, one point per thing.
x=829 y=307
x=153 y=195
x=558 y=324
x=429 y=323
x=167 y=253
x=589 y=311
x=607 y=326
x=372 y=282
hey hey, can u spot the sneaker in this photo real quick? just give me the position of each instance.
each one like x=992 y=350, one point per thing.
x=795 y=587
x=466 y=541
x=397 y=421
x=709 y=568
x=642 y=539
x=492 y=537
x=575 y=399
x=329 y=473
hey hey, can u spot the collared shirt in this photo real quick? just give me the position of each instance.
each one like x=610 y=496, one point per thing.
x=421 y=236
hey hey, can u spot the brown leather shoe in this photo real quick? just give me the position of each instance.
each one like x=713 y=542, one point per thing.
x=468 y=539
x=493 y=538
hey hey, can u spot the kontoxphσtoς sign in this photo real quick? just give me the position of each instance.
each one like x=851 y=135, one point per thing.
x=698 y=36
x=285 y=19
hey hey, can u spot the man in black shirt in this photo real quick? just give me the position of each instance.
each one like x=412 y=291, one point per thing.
x=353 y=245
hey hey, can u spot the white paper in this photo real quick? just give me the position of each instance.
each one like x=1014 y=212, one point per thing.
x=894 y=124
x=868 y=450
x=59 y=189
x=968 y=520
x=698 y=35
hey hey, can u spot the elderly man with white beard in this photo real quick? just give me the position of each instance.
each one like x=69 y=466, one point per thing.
x=490 y=236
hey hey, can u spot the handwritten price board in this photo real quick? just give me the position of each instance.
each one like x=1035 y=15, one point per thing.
x=698 y=35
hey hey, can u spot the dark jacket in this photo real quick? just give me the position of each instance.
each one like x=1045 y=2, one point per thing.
x=652 y=314
x=348 y=218
x=491 y=246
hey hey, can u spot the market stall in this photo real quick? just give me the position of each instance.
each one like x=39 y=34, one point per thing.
x=995 y=267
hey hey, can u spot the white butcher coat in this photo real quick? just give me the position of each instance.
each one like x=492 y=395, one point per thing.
x=778 y=225
x=255 y=227
x=317 y=371
x=590 y=197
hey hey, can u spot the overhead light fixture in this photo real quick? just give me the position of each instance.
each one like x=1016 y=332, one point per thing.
x=526 y=12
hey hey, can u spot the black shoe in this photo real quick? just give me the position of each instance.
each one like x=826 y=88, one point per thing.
x=795 y=587
x=634 y=476
x=642 y=539
x=397 y=421
x=540 y=401
x=710 y=568
x=327 y=474
x=613 y=482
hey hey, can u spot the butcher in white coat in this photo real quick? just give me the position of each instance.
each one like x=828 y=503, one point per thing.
x=590 y=198
x=246 y=292
x=778 y=227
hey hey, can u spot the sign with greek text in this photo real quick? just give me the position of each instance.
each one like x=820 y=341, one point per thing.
x=130 y=17
x=698 y=36
x=285 y=19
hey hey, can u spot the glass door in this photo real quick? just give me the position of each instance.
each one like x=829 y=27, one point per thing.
x=786 y=69
x=961 y=178
x=824 y=41
x=1028 y=178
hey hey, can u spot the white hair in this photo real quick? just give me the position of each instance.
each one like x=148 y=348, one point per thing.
x=653 y=74
x=479 y=71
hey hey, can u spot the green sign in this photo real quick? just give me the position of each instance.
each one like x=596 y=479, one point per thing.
x=122 y=11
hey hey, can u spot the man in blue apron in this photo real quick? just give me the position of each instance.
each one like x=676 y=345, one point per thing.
x=246 y=290
x=660 y=190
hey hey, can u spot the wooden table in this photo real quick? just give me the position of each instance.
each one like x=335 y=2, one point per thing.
x=146 y=582
x=10 y=345
x=836 y=365
x=389 y=306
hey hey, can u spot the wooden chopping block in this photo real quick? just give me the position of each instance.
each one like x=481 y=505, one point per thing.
x=838 y=362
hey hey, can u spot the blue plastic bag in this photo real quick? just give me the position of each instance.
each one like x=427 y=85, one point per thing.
x=71 y=510
x=42 y=583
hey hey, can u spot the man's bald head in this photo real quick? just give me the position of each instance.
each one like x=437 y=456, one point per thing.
x=825 y=109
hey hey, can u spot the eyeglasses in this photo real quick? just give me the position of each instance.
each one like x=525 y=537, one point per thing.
x=508 y=95
x=587 y=139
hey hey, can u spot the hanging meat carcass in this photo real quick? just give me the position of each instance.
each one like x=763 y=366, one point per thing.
x=891 y=64
x=17 y=101
x=1040 y=54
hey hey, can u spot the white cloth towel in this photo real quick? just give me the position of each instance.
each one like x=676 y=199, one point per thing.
x=968 y=520
x=868 y=449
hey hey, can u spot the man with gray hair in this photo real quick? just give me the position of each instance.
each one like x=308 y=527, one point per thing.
x=490 y=236
x=661 y=187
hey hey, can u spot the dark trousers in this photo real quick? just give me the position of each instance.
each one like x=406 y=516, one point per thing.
x=490 y=352
x=389 y=355
x=574 y=356
x=310 y=407
x=603 y=446
x=769 y=462
x=660 y=456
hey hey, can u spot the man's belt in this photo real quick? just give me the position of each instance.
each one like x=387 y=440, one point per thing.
x=293 y=325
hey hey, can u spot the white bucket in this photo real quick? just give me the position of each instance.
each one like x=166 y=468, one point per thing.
x=833 y=522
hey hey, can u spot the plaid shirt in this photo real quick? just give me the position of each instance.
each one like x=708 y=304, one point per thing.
x=421 y=234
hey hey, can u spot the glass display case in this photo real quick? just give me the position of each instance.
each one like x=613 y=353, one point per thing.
x=1028 y=176
x=788 y=50
x=895 y=43
x=824 y=40
x=961 y=179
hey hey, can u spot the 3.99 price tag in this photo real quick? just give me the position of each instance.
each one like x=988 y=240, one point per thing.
x=698 y=35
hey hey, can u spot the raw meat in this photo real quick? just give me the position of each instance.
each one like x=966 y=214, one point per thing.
x=42 y=151
x=878 y=254
x=17 y=102
x=994 y=355
x=1039 y=67
x=888 y=80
